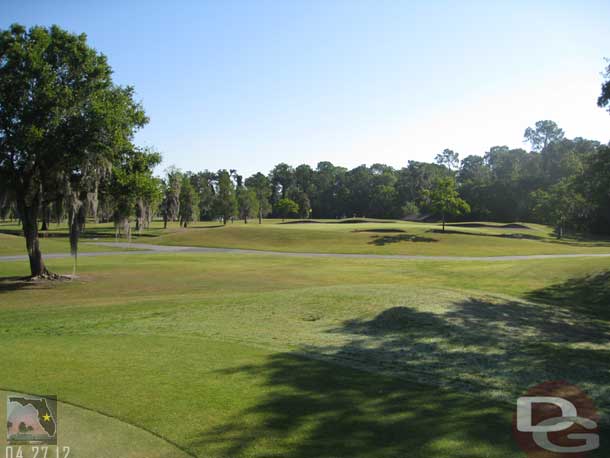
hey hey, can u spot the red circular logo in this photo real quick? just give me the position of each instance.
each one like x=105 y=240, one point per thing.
x=556 y=419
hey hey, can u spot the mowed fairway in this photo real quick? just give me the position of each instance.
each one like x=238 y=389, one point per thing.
x=381 y=237
x=231 y=355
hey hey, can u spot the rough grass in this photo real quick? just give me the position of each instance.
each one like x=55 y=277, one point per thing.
x=240 y=356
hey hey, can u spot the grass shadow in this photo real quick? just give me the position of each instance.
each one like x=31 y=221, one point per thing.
x=379 y=240
x=15 y=283
x=480 y=234
x=207 y=227
x=312 y=408
x=589 y=295
x=491 y=226
x=407 y=382
x=380 y=231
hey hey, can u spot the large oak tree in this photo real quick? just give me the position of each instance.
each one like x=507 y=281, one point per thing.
x=61 y=119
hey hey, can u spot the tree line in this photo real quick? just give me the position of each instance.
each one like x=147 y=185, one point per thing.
x=559 y=181
x=67 y=154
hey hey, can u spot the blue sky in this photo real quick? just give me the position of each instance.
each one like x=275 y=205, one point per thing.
x=248 y=84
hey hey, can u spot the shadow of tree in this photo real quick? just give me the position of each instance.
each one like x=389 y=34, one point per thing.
x=380 y=231
x=86 y=234
x=589 y=295
x=8 y=284
x=415 y=383
x=481 y=234
x=312 y=408
x=494 y=348
x=380 y=240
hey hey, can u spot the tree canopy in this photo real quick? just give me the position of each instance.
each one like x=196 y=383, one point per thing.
x=62 y=121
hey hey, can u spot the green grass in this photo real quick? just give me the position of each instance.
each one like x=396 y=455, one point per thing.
x=15 y=245
x=381 y=238
x=373 y=237
x=242 y=356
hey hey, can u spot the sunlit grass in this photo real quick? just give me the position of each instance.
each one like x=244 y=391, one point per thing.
x=245 y=355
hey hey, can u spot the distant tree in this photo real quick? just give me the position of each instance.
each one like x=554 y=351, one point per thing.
x=513 y=175
x=604 y=99
x=331 y=191
x=282 y=179
x=189 y=202
x=304 y=179
x=383 y=200
x=449 y=159
x=302 y=200
x=133 y=188
x=474 y=178
x=203 y=182
x=595 y=186
x=261 y=187
x=9 y=425
x=23 y=428
x=287 y=207
x=415 y=179
x=444 y=199
x=543 y=134
x=171 y=195
x=61 y=117
x=560 y=206
x=225 y=203
x=409 y=209
x=247 y=203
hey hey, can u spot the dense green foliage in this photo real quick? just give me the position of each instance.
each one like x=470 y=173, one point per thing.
x=63 y=123
x=287 y=207
x=189 y=202
x=562 y=182
x=444 y=199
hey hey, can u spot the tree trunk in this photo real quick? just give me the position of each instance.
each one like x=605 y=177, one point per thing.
x=260 y=216
x=443 y=222
x=245 y=220
x=46 y=214
x=95 y=200
x=165 y=221
x=29 y=222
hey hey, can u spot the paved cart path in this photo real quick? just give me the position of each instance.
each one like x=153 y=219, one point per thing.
x=144 y=248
